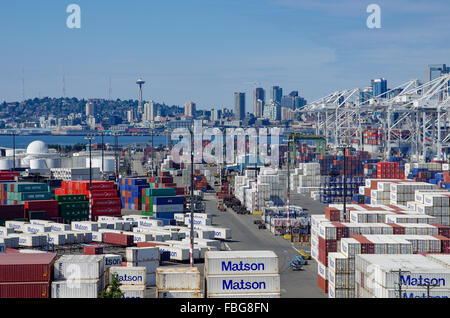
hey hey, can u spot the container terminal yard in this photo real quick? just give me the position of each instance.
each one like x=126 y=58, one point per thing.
x=330 y=221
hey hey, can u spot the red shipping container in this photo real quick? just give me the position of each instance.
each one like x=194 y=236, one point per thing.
x=398 y=229
x=12 y=211
x=322 y=283
x=103 y=194
x=332 y=214
x=106 y=210
x=50 y=207
x=25 y=290
x=20 y=267
x=323 y=257
x=92 y=250
x=443 y=230
x=118 y=239
x=106 y=202
x=150 y=244
x=445 y=242
x=342 y=231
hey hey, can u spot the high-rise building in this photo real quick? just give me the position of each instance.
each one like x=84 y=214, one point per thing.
x=239 y=106
x=259 y=110
x=189 y=109
x=276 y=93
x=379 y=87
x=435 y=70
x=272 y=111
x=287 y=113
x=299 y=102
x=149 y=111
x=365 y=94
x=293 y=93
x=216 y=114
x=287 y=101
x=130 y=116
x=90 y=109
x=258 y=95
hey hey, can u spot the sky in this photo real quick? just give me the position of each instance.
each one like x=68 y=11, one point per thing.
x=205 y=50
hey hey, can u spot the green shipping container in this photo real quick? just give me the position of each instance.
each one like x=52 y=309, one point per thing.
x=30 y=196
x=70 y=198
x=160 y=192
x=28 y=187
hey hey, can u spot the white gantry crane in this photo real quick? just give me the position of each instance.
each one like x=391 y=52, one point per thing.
x=411 y=114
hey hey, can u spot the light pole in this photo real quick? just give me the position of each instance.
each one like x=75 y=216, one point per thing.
x=14 y=150
x=103 y=154
x=344 y=147
x=191 y=250
x=90 y=175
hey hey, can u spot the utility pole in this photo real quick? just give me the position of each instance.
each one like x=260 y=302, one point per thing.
x=14 y=150
x=289 y=186
x=90 y=176
x=116 y=145
x=103 y=154
x=344 y=148
x=191 y=250
x=399 y=284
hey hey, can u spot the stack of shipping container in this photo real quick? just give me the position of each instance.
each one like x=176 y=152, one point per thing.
x=24 y=275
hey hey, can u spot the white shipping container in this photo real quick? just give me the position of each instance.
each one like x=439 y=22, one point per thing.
x=56 y=238
x=85 y=226
x=179 y=294
x=4 y=231
x=76 y=289
x=97 y=237
x=177 y=278
x=141 y=254
x=150 y=266
x=241 y=262
x=227 y=284
x=11 y=241
x=128 y=275
x=112 y=260
x=249 y=295
x=135 y=291
x=59 y=227
x=79 y=266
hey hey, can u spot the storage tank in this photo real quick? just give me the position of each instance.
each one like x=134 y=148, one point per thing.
x=53 y=163
x=6 y=164
x=38 y=164
x=97 y=163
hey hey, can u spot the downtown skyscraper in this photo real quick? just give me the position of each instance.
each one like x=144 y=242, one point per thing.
x=258 y=101
x=239 y=106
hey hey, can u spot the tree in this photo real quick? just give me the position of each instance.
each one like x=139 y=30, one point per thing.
x=113 y=291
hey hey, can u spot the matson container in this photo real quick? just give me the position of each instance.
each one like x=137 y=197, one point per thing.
x=240 y=262
x=56 y=238
x=4 y=231
x=112 y=260
x=136 y=291
x=177 y=278
x=34 y=229
x=25 y=290
x=59 y=227
x=239 y=284
x=17 y=267
x=179 y=294
x=249 y=295
x=219 y=232
x=79 y=267
x=142 y=254
x=76 y=289
x=128 y=275
x=85 y=226
x=10 y=242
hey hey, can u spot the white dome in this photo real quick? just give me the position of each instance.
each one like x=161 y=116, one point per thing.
x=37 y=147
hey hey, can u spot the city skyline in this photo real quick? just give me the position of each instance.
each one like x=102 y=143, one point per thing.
x=47 y=58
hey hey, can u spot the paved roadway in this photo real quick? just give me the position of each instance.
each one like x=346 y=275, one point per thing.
x=246 y=236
